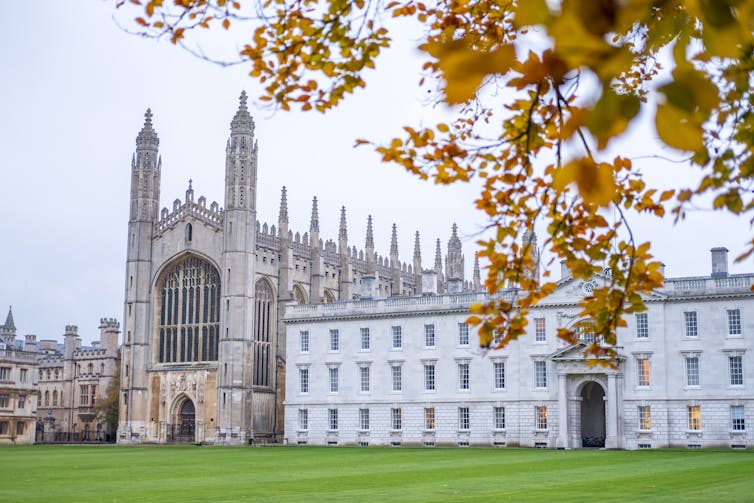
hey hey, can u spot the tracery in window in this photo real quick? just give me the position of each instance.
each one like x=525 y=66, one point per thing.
x=298 y=294
x=263 y=319
x=188 y=312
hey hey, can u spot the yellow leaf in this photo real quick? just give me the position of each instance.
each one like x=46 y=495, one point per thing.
x=595 y=182
x=610 y=115
x=464 y=67
x=677 y=129
x=531 y=12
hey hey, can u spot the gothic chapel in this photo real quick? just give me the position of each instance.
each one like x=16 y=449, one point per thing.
x=206 y=290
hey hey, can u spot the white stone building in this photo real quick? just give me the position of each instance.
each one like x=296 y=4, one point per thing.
x=407 y=371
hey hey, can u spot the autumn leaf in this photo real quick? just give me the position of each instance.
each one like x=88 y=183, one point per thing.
x=464 y=67
x=678 y=129
x=595 y=182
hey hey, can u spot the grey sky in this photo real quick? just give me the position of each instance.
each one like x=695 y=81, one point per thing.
x=73 y=94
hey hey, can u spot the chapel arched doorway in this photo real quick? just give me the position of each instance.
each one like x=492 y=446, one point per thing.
x=592 y=415
x=187 y=422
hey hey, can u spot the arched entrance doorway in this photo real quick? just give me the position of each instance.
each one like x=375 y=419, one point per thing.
x=186 y=422
x=592 y=415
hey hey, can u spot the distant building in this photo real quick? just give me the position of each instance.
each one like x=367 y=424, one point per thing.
x=408 y=371
x=48 y=390
x=72 y=379
x=18 y=386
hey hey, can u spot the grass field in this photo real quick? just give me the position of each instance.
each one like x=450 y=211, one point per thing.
x=217 y=474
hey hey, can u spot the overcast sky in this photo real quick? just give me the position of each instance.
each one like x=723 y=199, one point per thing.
x=73 y=95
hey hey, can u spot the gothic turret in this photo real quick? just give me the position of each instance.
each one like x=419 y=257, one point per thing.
x=417 y=264
x=145 y=198
x=237 y=344
x=438 y=266
x=145 y=174
x=8 y=333
x=454 y=261
x=369 y=246
x=283 y=215
x=343 y=233
x=395 y=267
x=317 y=285
x=345 y=276
x=241 y=161
x=477 y=276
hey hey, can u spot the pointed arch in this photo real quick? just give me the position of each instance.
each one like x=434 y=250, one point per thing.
x=183 y=418
x=329 y=297
x=299 y=294
x=187 y=310
x=264 y=327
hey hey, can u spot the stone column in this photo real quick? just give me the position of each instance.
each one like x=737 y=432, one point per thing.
x=562 y=441
x=611 y=442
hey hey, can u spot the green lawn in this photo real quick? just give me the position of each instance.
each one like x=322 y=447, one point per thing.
x=129 y=474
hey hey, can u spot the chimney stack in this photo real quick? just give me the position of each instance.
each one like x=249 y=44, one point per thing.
x=719 y=262
x=429 y=282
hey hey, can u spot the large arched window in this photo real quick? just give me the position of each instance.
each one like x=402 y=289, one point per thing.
x=188 y=312
x=263 y=326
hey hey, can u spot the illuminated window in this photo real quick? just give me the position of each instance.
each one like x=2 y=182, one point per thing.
x=695 y=417
x=645 y=417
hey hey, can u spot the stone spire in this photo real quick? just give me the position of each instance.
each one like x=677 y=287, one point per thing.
x=190 y=192
x=314 y=224
x=343 y=232
x=477 y=276
x=369 y=246
x=147 y=138
x=242 y=122
x=417 y=264
x=438 y=257
x=370 y=234
x=454 y=262
x=145 y=174
x=9 y=324
x=394 y=242
x=283 y=215
x=438 y=267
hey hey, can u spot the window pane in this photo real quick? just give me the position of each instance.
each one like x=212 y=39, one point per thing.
x=642 y=325
x=429 y=377
x=736 y=370
x=695 y=417
x=691 y=324
x=499 y=371
x=500 y=418
x=429 y=418
x=463 y=334
x=539 y=328
x=692 y=371
x=365 y=338
x=734 y=322
x=429 y=336
x=645 y=418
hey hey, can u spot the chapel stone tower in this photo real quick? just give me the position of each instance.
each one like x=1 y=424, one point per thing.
x=237 y=344
x=145 y=200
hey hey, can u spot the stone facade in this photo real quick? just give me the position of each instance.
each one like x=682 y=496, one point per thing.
x=72 y=379
x=408 y=372
x=18 y=386
x=206 y=289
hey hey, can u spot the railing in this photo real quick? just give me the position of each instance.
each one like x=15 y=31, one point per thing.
x=711 y=285
x=446 y=300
